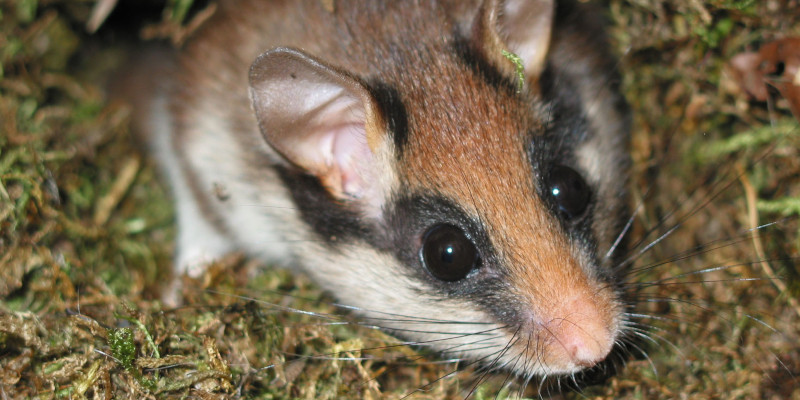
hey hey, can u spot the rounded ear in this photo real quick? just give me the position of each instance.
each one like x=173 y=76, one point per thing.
x=520 y=27
x=319 y=119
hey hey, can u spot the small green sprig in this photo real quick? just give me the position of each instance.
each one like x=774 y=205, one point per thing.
x=519 y=67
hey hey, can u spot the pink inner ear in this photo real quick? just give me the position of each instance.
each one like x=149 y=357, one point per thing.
x=335 y=148
x=352 y=154
x=340 y=156
x=316 y=117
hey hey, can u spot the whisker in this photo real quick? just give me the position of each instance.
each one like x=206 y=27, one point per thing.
x=626 y=228
x=692 y=253
x=256 y=205
x=403 y=318
x=714 y=193
x=666 y=283
x=700 y=249
x=646 y=356
x=488 y=368
x=473 y=362
x=710 y=310
x=649 y=337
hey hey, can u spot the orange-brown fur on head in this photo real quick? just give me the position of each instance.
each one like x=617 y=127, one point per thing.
x=479 y=159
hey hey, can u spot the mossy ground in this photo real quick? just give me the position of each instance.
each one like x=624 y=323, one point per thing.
x=86 y=235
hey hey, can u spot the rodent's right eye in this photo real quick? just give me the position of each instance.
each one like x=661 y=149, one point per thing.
x=447 y=253
x=569 y=190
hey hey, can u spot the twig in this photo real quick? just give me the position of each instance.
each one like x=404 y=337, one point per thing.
x=752 y=219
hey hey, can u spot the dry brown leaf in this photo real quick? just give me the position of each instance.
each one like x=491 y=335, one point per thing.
x=776 y=64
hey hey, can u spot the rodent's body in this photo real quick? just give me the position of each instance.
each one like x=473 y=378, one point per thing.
x=369 y=128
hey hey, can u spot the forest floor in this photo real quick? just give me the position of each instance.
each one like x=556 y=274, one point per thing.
x=87 y=229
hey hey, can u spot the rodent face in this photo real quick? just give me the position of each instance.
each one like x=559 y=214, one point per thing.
x=539 y=298
x=476 y=217
x=537 y=272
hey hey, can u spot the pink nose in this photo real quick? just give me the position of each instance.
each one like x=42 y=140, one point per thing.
x=581 y=335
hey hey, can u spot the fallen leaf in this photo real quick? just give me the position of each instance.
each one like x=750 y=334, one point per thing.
x=776 y=64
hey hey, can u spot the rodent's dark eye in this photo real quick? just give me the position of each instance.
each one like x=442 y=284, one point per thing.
x=447 y=253
x=569 y=190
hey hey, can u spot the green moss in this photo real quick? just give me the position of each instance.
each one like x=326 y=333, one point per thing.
x=784 y=132
x=713 y=35
x=179 y=9
x=786 y=206
x=123 y=347
x=26 y=10
x=65 y=44
x=745 y=6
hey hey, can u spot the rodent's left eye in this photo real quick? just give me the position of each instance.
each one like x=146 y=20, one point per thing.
x=569 y=190
x=447 y=253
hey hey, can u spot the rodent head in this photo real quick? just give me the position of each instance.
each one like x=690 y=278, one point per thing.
x=465 y=213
